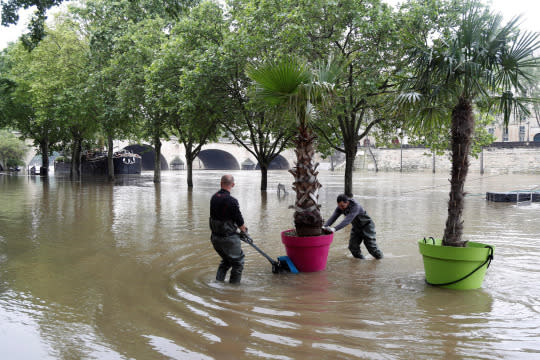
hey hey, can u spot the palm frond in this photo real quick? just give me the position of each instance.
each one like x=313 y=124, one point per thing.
x=277 y=81
x=408 y=98
x=517 y=62
x=289 y=82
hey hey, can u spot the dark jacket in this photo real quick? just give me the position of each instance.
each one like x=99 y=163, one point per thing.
x=354 y=213
x=225 y=215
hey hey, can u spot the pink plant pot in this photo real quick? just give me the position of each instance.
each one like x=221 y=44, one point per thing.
x=308 y=253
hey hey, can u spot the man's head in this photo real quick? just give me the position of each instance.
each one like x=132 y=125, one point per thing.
x=227 y=182
x=343 y=201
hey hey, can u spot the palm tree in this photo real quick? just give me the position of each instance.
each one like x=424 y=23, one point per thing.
x=290 y=83
x=484 y=62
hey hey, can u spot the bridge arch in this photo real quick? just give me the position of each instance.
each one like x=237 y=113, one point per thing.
x=214 y=159
x=148 y=154
x=279 y=163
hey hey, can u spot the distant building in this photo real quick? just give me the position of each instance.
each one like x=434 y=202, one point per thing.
x=524 y=131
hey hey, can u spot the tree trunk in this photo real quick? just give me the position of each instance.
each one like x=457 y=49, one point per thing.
x=350 y=155
x=190 y=157
x=157 y=159
x=264 y=176
x=307 y=216
x=462 y=129
x=189 y=164
x=44 y=147
x=110 y=161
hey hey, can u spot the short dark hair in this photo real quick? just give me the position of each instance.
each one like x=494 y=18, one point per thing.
x=227 y=180
x=342 y=198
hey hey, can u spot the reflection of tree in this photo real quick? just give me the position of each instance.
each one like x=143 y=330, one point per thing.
x=189 y=204
x=40 y=209
x=264 y=213
x=264 y=201
x=157 y=203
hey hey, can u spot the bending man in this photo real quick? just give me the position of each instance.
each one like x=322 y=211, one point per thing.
x=225 y=219
x=363 y=228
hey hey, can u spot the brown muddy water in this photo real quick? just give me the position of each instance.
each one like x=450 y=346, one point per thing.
x=90 y=270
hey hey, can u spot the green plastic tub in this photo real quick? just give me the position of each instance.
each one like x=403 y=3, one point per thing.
x=451 y=267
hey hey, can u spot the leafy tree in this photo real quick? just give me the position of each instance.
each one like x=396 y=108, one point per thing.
x=254 y=27
x=7 y=86
x=183 y=79
x=290 y=84
x=365 y=38
x=28 y=107
x=12 y=150
x=148 y=25
x=136 y=51
x=104 y=23
x=483 y=61
x=50 y=99
x=108 y=25
x=261 y=130
x=74 y=104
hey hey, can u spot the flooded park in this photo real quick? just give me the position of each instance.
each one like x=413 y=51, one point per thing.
x=93 y=270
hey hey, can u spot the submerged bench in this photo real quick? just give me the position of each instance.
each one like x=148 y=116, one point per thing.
x=513 y=196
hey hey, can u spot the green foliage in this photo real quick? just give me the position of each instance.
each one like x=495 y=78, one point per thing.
x=51 y=84
x=184 y=80
x=135 y=10
x=483 y=60
x=289 y=82
x=12 y=150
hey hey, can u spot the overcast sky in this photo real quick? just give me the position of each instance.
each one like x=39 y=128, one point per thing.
x=530 y=9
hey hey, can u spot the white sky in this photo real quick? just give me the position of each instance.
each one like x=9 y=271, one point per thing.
x=530 y=9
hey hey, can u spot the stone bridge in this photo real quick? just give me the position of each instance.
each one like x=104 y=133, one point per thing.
x=223 y=155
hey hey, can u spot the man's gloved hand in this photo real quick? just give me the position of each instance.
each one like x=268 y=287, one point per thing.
x=244 y=235
x=329 y=229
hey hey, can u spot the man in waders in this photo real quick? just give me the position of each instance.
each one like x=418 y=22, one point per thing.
x=225 y=219
x=363 y=228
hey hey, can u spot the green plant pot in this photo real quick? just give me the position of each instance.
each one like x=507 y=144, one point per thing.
x=451 y=267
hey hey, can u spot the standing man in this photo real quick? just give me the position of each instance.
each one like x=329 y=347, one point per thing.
x=363 y=228
x=225 y=219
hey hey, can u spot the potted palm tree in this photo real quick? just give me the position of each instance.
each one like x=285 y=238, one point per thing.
x=483 y=62
x=289 y=83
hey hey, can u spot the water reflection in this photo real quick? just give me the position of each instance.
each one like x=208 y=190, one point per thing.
x=94 y=270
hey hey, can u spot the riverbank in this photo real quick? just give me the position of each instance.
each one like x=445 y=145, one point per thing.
x=492 y=160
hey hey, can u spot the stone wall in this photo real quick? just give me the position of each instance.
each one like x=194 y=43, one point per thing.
x=521 y=160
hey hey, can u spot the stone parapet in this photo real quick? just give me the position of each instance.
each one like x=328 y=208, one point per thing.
x=492 y=160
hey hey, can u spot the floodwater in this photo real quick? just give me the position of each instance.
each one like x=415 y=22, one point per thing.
x=90 y=270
